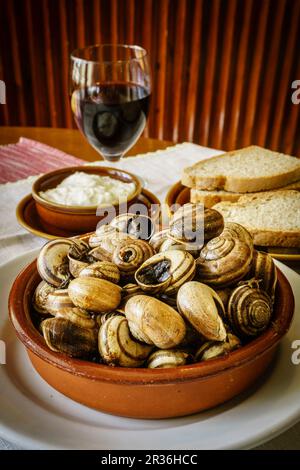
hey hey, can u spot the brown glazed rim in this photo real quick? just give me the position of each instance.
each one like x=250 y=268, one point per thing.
x=48 y=179
x=31 y=338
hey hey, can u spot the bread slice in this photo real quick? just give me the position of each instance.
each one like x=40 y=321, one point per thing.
x=210 y=198
x=272 y=218
x=247 y=170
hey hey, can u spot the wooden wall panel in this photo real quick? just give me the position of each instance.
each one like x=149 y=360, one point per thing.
x=222 y=69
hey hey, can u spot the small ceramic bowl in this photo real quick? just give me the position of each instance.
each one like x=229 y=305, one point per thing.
x=148 y=393
x=78 y=219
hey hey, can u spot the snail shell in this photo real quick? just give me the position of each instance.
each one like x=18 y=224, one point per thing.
x=234 y=230
x=166 y=272
x=52 y=262
x=77 y=255
x=172 y=244
x=62 y=335
x=117 y=347
x=102 y=270
x=99 y=254
x=224 y=261
x=40 y=297
x=97 y=295
x=57 y=300
x=131 y=255
x=77 y=316
x=213 y=349
x=201 y=306
x=160 y=323
x=164 y=359
x=193 y=223
x=158 y=238
x=130 y=290
x=249 y=310
x=108 y=238
x=140 y=226
x=264 y=269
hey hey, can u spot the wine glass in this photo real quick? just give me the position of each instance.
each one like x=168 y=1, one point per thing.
x=110 y=96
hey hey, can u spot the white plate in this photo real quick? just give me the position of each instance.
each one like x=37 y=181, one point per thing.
x=33 y=415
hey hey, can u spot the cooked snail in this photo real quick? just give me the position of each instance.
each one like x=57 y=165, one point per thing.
x=116 y=345
x=264 y=269
x=78 y=316
x=78 y=257
x=224 y=261
x=214 y=349
x=62 y=335
x=166 y=272
x=159 y=322
x=201 y=306
x=40 y=297
x=52 y=262
x=193 y=223
x=57 y=300
x=108 y=238
x=97 y=295
x=249 y=310
x=158 y=238
x=140 y=226
x=164 y=359
x=102 y=270
x=234 y=230
x=131 y=255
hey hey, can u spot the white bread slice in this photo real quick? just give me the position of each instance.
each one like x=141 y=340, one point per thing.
x=272 y=219
x=210 y=198
x=247 y=170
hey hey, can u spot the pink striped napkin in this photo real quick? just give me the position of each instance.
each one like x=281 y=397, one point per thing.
x=29 y=157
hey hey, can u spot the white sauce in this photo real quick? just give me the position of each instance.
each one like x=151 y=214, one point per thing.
x=85 y=189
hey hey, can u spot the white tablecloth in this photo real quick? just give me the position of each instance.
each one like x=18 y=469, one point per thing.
x=159 y=170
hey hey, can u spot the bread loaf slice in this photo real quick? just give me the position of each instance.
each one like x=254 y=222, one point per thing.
x=273 y=218
x=247 y=170
x=210 y=198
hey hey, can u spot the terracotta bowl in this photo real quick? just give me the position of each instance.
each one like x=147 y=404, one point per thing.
x=146 y=393
x=69 y=219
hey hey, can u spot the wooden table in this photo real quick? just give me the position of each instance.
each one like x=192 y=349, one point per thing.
x=72 y=141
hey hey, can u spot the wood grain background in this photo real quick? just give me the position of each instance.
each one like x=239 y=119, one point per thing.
x=222 y=69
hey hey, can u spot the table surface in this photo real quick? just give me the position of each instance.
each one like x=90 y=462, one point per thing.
x=71 y=141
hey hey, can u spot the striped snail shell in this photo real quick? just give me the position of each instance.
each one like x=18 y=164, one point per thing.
x=193 y=223
x=234 y=230
x=224 y=261
x=249 y=310
x=40 y=297
x=78 y=316
x=214 y=349
x=166 y=272
x=53 y=264
x=108 y=238
x=165 y=359
x=131 y=255
x=264 y=269
x=102 y=270
x=77 y=255
x=57 y=300
x=116 y=345
x=158 y=238
x=62 y=335
x=138 y=225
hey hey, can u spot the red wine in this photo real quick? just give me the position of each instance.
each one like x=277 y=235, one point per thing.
x=112 y=116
